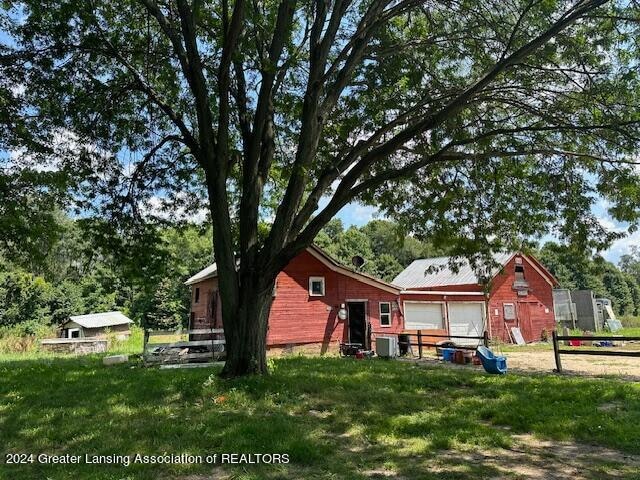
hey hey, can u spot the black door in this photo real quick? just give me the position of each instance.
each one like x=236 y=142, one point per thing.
x=357 y=324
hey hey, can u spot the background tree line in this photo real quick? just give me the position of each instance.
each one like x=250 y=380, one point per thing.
x=79 y=270
x=83 y=269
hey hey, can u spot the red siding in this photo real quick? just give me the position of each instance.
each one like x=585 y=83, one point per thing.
x=534 y=312
x=297 y=318
x=538 y=303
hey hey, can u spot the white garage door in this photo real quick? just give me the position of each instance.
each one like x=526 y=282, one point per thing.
x=423 y=316
x=466 y=319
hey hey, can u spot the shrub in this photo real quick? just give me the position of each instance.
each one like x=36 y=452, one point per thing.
x=24 y=337
x=630 y=321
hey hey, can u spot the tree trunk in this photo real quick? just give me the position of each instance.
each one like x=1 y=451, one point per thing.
x=245 y=328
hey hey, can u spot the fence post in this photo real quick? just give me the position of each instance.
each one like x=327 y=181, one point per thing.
x=556 y=352
x=485 y=339
x=144 y=344
x=419 y=343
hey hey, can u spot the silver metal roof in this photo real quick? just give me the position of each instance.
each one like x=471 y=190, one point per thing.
x=437 y=272
x=97 y=320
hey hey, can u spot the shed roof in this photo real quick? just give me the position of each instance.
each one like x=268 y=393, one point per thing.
x=437 y=272
x=98 y=320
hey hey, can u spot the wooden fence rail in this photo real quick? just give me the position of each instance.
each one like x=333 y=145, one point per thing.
x=557 y=351
x=422 y=344
x=183 y=351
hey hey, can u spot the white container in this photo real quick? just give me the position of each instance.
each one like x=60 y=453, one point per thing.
x=387 y=347
x=115 y=359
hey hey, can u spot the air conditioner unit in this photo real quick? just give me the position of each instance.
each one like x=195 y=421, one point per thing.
x=387 y=347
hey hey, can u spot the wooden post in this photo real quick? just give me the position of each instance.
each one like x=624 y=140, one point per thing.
x=556 y=351
x=485 y=339
x=419 y=343
x=144 y=345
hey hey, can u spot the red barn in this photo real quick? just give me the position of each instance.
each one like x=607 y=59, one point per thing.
x=313 y=288
x=519 y=293
x=308 y=295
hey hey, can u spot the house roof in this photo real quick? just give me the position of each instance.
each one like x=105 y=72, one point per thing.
x=211 y=271
x=98 y=320
x=437 y=272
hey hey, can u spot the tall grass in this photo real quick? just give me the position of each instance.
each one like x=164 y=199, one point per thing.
x=630 y=321
x=131 y=345
x=24 y=338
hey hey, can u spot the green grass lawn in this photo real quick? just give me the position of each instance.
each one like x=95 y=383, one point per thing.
x=335 y=418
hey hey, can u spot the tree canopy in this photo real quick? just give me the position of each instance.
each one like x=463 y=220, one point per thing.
x=483 y=124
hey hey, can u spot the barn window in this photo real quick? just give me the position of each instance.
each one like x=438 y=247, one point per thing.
x=316 y=286
x=509 y=311
x=520 y=274
x=74 y=333
x=385 y=314
x=197 y=296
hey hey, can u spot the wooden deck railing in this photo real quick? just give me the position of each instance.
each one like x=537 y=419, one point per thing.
x=183 y=350
x=557 y=351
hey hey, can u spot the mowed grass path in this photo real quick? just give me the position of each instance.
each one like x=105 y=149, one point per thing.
x=335 y=418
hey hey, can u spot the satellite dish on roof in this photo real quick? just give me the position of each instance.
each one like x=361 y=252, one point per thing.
x=357 y=261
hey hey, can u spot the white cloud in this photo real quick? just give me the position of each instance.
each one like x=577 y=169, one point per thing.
x=621 y=247
x=162 y=208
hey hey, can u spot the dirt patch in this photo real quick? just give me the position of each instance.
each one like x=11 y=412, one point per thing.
x=543 y=361
x=627 y=367
x=532 y=458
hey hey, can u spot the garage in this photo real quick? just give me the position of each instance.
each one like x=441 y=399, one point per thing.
x=466 y=319
x=423 y=315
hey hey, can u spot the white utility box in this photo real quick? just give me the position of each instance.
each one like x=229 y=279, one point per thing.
x=387 y=347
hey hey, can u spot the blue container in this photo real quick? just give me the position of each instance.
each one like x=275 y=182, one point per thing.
x=447 y=354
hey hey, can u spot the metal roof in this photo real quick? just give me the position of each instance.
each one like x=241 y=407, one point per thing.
x=209 y=272
x=97 y=320
x=437 y=272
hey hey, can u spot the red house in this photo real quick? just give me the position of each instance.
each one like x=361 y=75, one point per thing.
x=308 y=296
x=517 y=293
x=318 y=302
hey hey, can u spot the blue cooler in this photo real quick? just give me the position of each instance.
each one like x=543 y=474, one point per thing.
x=447 y=354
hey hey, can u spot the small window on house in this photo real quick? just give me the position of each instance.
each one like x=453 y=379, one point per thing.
x=197 y=296
x=316 y=286
x=385 y=314
x=74 y=333
x=509 y=311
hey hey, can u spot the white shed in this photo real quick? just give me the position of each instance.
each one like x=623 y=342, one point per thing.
x=97 y=325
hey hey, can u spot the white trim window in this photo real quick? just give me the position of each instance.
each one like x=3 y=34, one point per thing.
x=385 y=314
x=73 y=333
x=316 y=287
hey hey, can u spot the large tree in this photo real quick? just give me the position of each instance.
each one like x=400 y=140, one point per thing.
x=477 y=122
